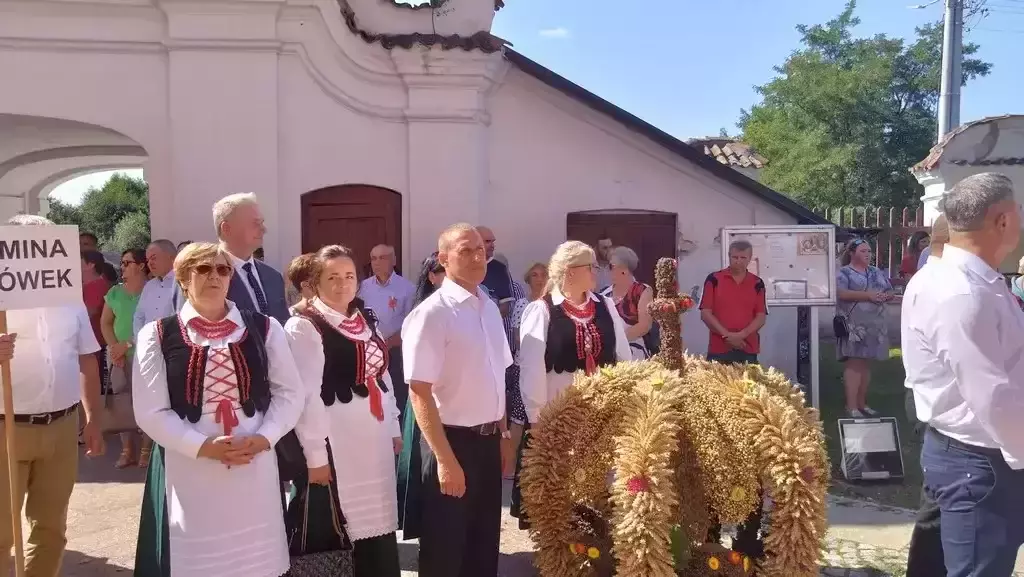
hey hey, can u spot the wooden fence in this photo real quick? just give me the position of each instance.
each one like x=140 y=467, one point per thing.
x=896 y=227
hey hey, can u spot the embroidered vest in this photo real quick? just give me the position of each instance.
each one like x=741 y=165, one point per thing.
x=186 y=366
x=561 y=355
x=343 y=371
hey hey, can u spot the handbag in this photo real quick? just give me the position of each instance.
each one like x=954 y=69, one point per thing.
x=118 y=412
x=318 y=544
x=840 y=324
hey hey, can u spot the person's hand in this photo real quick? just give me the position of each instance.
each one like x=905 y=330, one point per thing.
x=452 y=478
x=320 y=475
x=508 y=457
x=92 y=437
x=7 y=346
x=248 y=447
x=117 y=352
x=216 y=448
x=396 y=442
x=735 y=340
x=876 y=296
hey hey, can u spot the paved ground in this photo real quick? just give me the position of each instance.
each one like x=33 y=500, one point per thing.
x=865 y=540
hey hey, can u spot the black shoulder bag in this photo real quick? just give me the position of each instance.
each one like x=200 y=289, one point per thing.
x=840 y=325
x=318 y=544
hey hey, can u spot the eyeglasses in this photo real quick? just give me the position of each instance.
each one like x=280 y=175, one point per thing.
x=591 y=266
x=223 y=270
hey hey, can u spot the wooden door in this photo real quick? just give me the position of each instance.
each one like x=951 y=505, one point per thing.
x=651 y=234
x=354 y=215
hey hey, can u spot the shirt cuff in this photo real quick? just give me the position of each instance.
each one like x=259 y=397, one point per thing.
x=191 y=443
x=316 y=458
x=271 y=432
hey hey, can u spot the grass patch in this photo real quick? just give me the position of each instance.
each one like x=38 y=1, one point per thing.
x=886 y=395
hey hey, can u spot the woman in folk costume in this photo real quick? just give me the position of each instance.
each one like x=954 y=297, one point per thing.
x=570 y=329
x=216 y=388
x=344 y=365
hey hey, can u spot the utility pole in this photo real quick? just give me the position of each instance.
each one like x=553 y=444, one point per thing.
x=952 y=74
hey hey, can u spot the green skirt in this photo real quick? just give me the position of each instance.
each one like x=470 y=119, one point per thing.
x=153 y=549
x=410 y=477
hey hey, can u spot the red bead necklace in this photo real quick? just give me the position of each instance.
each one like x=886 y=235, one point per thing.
x=588 y=338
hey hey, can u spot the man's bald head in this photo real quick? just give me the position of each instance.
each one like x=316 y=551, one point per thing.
x=489 y=240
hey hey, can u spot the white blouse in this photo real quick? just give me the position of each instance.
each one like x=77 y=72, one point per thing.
x=537 y=385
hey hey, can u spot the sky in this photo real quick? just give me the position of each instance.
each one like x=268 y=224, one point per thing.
x=690 y=66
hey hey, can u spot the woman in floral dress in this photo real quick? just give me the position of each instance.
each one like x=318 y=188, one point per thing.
x=863 y=292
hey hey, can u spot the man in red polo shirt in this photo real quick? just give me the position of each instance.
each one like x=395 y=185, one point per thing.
x=733 y=307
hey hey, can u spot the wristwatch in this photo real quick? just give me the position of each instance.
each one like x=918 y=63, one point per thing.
x=506 y=434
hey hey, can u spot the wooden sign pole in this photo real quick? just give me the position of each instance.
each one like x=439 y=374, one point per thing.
x=12 y=462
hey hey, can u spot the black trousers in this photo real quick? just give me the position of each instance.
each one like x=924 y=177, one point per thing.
x=924 y=559
x=460 y=535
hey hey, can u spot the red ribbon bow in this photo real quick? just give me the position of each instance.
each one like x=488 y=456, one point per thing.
x=225 y=414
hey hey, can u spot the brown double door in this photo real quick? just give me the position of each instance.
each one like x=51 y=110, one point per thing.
x=651 y=235
x=354 y=215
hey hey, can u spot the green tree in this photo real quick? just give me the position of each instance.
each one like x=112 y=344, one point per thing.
x=846 y=117
x=117 y=213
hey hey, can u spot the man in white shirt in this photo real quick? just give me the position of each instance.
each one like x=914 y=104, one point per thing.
x=161 y=296
x=456 y=354
x=389 y=295
x=53 y=371
x=924 y=555
x=964 y=358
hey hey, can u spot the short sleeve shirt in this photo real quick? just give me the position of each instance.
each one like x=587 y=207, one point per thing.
x=122 y=304
x=93 y=294
x=735 y=305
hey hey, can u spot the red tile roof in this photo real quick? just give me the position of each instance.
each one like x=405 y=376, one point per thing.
x=730 y=152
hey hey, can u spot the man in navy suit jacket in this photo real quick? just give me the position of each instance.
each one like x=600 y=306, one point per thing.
x=255 y=285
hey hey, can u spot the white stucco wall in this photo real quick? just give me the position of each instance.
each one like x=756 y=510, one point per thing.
x=551 y=155
x=279 y=98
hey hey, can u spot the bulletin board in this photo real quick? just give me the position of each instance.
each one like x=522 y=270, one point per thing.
x=796 y=263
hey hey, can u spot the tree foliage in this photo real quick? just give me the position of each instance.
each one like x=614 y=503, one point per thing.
x=847 y=117
x=117 y=213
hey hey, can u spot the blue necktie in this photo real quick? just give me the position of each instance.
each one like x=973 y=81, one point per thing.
x=261 y=299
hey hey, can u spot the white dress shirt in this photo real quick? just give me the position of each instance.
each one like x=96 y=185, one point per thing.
x=964 y=355
x=155 y=302
x=391 y=301
x=238 y=263
x=45 y=374
x=218 y=515
x=455 y=340
x=537 y=385
x=362 y=446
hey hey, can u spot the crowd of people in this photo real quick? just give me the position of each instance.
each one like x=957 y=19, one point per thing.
x=249 y=387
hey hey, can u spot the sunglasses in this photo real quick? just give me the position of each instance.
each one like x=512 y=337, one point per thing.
x=222 y=270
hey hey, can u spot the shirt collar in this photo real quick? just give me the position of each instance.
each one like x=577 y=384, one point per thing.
x=237 y=262
x=188 y=312
x=970 y=262
x=384 y=284
x=167 y=277
x=932 y=259
x=330 y=314
x=557 y=297
x=451 y=289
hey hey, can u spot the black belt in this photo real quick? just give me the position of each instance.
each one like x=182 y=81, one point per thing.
x=486 y=429
x=44 y=418
x=951 y=442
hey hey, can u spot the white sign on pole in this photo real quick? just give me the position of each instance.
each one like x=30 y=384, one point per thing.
x=40 y=266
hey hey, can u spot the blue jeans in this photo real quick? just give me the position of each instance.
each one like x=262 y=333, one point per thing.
x=981 y=506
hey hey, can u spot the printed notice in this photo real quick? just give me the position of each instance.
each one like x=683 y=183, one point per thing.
x=40 y=266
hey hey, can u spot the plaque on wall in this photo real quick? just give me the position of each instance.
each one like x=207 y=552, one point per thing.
x=871 y=449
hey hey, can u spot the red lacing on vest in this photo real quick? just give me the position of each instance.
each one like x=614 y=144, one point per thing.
x=588 y=338
x=194 y=386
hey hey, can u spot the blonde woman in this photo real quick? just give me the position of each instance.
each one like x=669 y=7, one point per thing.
x=569 y=329
x=216 y=387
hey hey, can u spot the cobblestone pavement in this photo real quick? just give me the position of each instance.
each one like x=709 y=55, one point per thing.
x=103 y=520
